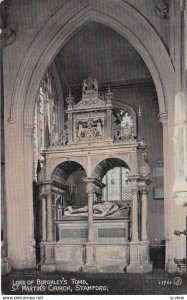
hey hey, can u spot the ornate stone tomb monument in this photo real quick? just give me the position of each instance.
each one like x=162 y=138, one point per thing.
x=103 y=235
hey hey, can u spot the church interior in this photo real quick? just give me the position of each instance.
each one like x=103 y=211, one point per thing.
x=94 y=136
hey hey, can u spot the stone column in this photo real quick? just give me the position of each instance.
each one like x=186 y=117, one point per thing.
x=47 y=230
x=89 y=246
x=90 y=212
x=179 y=189
x=139 y=250
x=134 y=212
x=29 y=212
x=135 y=257
x=70 y=128
x=168 y=222
x=109 y=125
x=49 y=218
x=144 y=199
x=44 y=224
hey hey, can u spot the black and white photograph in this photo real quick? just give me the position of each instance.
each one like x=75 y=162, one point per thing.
x=93 y=148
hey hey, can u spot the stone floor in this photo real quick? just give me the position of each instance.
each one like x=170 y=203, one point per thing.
x=33 y=282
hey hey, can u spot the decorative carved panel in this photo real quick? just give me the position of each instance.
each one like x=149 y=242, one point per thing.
x=89 y=129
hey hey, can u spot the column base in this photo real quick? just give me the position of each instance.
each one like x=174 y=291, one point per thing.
x=89 y=254
x=90 y=268
x=139 y=258
x=47 y=252
x=92 y=265
x=48 y=268
x=103 y=268
x=5 y=267
x=139 y=268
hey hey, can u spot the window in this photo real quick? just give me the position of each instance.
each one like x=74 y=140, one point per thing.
x=45 y=112
x=118 y=186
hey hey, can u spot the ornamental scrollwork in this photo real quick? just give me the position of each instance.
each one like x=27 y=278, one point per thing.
x=91 y=128
x=59 y=139
x=123 y=127
x=41 y=173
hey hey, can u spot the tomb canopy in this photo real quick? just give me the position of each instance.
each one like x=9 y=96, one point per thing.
x=98 y=136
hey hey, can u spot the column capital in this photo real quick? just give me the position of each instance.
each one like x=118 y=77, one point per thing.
x=134 y=188
x=89 y=187
x=163 y=118
x=93 y=185
x=134 y=178
x=134 y=182
x=143 y=190
x=45 y=188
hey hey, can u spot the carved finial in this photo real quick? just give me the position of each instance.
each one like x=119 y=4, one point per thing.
x=46 y=132
x=70 y=100
x=109 y=95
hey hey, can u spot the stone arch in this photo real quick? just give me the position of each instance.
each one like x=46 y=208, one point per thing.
x=71 y=17
x=107 y=164
x=122 y=18
x=55 y=163
x=63 y=170
x=70 y=176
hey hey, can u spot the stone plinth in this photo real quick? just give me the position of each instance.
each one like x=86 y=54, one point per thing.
x=139 y=258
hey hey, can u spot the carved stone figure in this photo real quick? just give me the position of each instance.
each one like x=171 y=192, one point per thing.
x=95 y=85
x=80 y=131
x=59 y=139
x=90 y=86
x=123 y=126
x=99 y=128
x=162 y=9
x=84 y=87
x=64 y=137
x=126 y=120
x=99 y=210
x=91 y=128
x=145 y=155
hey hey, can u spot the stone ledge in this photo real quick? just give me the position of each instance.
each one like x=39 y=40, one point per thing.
x=140 y=268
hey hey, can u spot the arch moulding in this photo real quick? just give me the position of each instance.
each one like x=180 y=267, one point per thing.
x=55 y=163
x=122 y=18
x=70 y=18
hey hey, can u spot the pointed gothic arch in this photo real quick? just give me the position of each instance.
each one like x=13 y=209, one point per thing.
x=123 y=19
x=129 y=23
